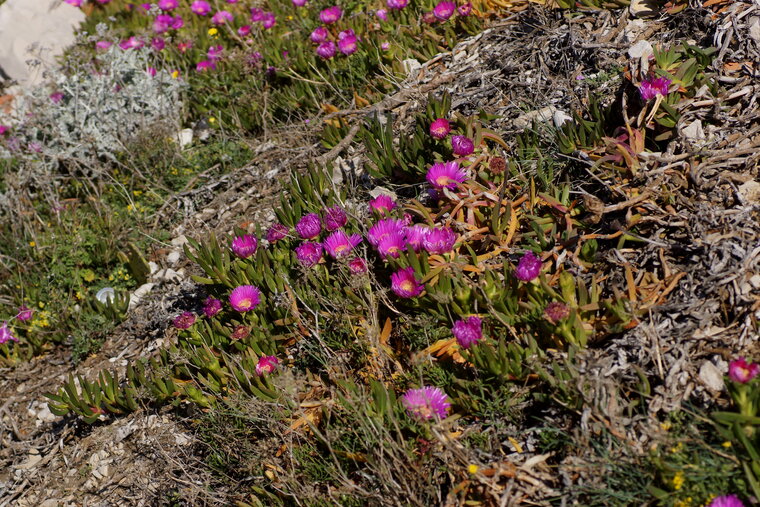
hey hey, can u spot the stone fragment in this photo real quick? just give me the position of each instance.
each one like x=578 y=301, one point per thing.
x=710 y=376
x=750 y=190
x=644 y=8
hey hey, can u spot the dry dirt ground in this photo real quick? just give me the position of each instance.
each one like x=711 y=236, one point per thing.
x=704 y=247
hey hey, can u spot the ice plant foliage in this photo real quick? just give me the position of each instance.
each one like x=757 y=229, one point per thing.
x=426 y=403
x=404 y=284
x=528 y=267
x=244 y=246
x=468 y=331
x=739 y=370
x=445 y=175
x=654 y=86
x=245 y=298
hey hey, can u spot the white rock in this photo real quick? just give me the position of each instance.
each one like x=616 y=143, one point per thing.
x=35 y=30
x=44 y=415
x=185 y=137
x=560 y=118
x=182 y=439
x=695 y=132
x=173 y=257
x=711 y=376
x=153 y=267
x=545 y=114
x=411 y=66
x=754 y=29
x=750 y=190
x=179 y=241
x=644 y=8
x=641 y=49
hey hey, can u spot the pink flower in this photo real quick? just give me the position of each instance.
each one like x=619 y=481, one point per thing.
x=102 y=45
x=167 y=5
x=726 y=501
x=335 y=218
x=382 y=14
x=339 y=244
x=439 y=240
x=182 y=47
x=468 y=332
x=385 y=46
x=309 y=253
x=211 y=307
x=465 y=9
x=299 y=3
x=157 y=43
x=215 y=52
x=405 y=285
x=396 y=4
x=347 y=42
x=200 y=7
x=426 y=403
x=4 y=129
x=651 y=87
x=75 y=3
x=131 y=43
x=184 y=320
x=445 y=175
x=444 y=10
x=162 y=23
x=276 y=232
x=177 y=22
x=462 y=145
x=440 y=128
x=244 y=246
x=357 y=265
x=266 y=364
x=245 y=298
x=6 y=334
x=309 y=226
x=382 y=204
x=244 y=31
x=151 y=71
x=222 y=17
x=319 y=34
x=415 y=236
x=384 y=228
x=326 y=50
x=268 y=20
x=256 y=14
x=240 y=332
x=556 y=312
x=392 y=245
x=528 y=267
x=205 y=65
x=56 y=97
x=24 y=313
x=330 y=15
x=739 y=370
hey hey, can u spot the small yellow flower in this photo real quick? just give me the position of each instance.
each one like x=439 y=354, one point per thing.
x=726 y=444
x=473 y=469
x=290 y=18
x=678 y=481
x=32 y=243
x=213 y=31
x=41 y=304
x=212 y=120
x=666 y=426
x=175 y=74
x=88 y=275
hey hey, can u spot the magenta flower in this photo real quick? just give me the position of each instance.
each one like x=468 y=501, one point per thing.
x=309 y=226
x=440 y=128
x=167 y=5
x=276 y=232
x=214 y=53
x=245 y=298
x=4 y=129
x=347 y=42
x=266 y=364
x=392 y=245
x=200 y=7
x=426 y=403
x=102 y=45
x=244 y=31
x=211 y=307
x=131 y=43
x=157 y=43
x=726 y=501
x=339 y=244
x=24 y=313
x=405 y=285
x=319 y=34
x=162 y=23
x=396 y=4
x=222 y=17
x=309 y=253
x=739 y=370
x=528 y=267
x=257 y=14
x=75 y=3
x=184 y=320
x=177 y=22
x=151 y=71
x=445 y=175
x=240 y=332
x=384 y=228
x=556 y=312
x=444 y=10
x=205 y=65
x=382 y=204
x=439 y=240
x=468 y=332
x=651 y=87
x=326 y=50
x=462 y=145
x=335 y=218
x=299 y=3
x=357 y=265
x=465 y=9
x=415 y=236
x=244 y=246
x=268 y=20
x=56 y=97
x=382 y=14
x=182 y=47
x=330 y=15
x=6 y=334
x=385 y=46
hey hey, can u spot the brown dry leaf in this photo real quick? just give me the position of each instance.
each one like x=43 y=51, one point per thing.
x=360 y=102
x=386 y=332
x=446 y=348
